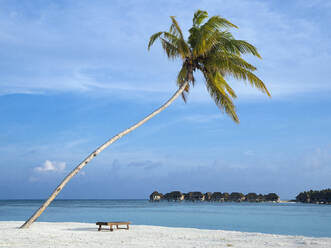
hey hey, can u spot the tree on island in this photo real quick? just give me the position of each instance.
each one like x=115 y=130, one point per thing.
x=224 y=197
x=271 y=197
x=210 y=49
x=315 y=196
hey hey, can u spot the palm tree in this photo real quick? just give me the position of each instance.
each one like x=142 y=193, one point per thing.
x=211 y=49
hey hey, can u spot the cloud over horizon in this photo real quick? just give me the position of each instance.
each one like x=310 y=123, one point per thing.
x=51 y=166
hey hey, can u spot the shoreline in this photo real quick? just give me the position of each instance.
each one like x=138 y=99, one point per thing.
x=76 y=234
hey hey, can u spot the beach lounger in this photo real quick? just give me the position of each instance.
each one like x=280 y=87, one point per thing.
x=114 y=223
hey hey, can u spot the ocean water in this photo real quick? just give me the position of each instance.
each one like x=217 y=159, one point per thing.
x=276 y=218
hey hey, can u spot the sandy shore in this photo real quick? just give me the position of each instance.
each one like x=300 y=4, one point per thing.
x=45 y=234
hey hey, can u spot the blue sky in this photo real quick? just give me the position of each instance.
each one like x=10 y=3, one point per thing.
x=74 y=73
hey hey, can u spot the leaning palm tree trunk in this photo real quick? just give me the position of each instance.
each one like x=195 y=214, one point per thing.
x=95 y=153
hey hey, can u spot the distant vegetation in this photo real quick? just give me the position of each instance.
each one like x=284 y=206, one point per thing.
x=216 y=196
x=315 y=196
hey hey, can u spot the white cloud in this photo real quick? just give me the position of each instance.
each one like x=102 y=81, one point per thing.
x=54 y=52
x=51 y=166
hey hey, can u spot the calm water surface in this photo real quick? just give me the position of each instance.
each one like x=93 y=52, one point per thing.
x=276 y=218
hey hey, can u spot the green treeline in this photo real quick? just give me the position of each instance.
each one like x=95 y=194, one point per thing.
x=213 y=196
x=315 y=196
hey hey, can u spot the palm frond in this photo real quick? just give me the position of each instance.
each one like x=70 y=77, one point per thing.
x=170 y=49
x=245 y=47
x=236 y=67
x=175 y=29
x=224 y=60
x=199 y=17
x=216 y=23
x=213 y=42
x=246 y=75
x=222 y=82
x=241 y=62
x=194 y=33
x=258 y=83
x=203 y=38
x=182 y=46
x=223 y=102
x=204 y=43
x=153 y=38
x=225 y=44
x=220 y=97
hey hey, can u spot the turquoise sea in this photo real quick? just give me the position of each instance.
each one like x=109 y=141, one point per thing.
x=276 y=218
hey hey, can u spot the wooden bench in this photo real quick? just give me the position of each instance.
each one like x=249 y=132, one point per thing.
x=114 y=223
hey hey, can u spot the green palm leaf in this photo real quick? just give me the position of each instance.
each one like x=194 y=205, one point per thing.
x=211 y=49
x=199 y=17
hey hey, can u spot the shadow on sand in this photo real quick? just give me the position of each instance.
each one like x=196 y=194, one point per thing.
x=83 y=229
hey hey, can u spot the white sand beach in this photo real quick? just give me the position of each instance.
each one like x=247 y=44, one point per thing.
x=45 y=234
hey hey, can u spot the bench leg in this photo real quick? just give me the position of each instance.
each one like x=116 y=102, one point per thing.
x=127 y=227
x=111 y=228
x=99 y=229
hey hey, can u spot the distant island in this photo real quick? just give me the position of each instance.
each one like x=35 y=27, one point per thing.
x=315 y=196
x=312 y=196
x=213 y=197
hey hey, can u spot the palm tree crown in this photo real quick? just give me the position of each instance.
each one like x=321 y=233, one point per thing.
x=213 y=50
